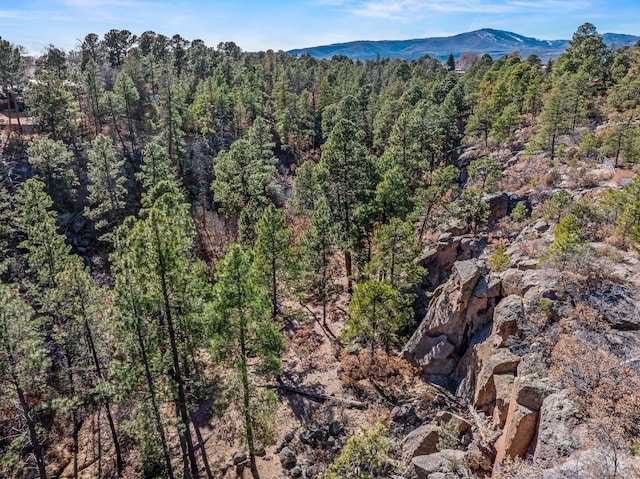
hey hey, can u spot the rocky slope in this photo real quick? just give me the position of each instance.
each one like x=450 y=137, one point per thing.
x=546 y=359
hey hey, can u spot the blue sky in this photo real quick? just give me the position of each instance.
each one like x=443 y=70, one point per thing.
x=284 y=24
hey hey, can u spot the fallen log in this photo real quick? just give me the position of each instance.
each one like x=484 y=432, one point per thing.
x=319 y=396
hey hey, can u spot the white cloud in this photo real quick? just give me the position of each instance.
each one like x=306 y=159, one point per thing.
x=413 y=9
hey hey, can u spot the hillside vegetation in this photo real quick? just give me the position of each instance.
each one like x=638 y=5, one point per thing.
x=218 y=263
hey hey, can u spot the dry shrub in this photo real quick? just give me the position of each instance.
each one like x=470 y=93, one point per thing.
x=527 y=171
x=385 y=375
x=305 y=343
x=603 y=387
x=616 y=239
x=516 y=468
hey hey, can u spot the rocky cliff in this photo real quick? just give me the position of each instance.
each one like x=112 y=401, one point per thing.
x=494 y=339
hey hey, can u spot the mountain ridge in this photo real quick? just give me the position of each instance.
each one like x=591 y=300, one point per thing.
x=496 y=43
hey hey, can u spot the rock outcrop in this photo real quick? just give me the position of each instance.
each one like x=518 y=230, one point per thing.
x=521 y=422
x=459 y=309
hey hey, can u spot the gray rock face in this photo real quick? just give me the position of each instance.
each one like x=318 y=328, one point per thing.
x=619 y=305
x=439 y=258
x=555 y=429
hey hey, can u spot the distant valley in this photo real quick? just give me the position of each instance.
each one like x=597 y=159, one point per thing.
x=496 y=43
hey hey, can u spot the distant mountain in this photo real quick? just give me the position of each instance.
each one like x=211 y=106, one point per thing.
x=496 y=43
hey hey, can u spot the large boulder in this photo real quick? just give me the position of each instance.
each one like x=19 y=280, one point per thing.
x=619 y=306
x=438 y=259
x=501 y=362
x=555 y=430
x=444 y=462
x=498 y=206
x=421 y=441
x=521 y=423
x=508 y=318
x=459 y=309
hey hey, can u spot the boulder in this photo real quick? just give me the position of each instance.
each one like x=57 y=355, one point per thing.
x=421 y=441
x=459 y=309
x=503 y=385
x=619 y=306
x=444 y=461
x=522 y=418
x=498 y=206
x=288 y=458
x=555 y=429
x=508 y=318
x=439 y=258
x=517 y=282
x=239 y=457
x=502 y=361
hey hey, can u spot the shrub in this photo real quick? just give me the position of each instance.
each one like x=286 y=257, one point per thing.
x=500 y=259
x=520 y=212
x=364 y=456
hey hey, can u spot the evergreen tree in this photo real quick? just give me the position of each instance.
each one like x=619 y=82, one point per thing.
x=23 y=366
x=472 y=209
x=395 y=249
x=156 y=166
x=107 y=193
x=246 y=172
x=486 y=170
x=376 y=312
x=317 y=246
x=243 y=330
x=46 y=250
x=558 y=205
x=52 y=161
x=170 y=293
x=344 y=177
x=274 y=259
x=567 y=239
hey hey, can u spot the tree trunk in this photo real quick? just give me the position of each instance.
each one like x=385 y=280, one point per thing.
x=105 y=401
x=349 y=269
x=201 y=444
x=246 y=408
x=31 y=424
x=176 y=369
x=151 y=386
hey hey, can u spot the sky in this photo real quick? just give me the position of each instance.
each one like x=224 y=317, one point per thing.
x=256 y=25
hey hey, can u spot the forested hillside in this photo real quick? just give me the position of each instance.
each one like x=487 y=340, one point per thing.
x=219 y=263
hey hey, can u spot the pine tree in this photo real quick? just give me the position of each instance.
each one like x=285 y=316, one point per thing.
x=77 y=300
x=567 y=239
x=344 y=177
x=376 y=312
x=243 y=330
x=23 y=366
x=274 y=259
x=156 y=166
x=107 y=192
x=317 y=246
x=246 y=172
x=53 y=163
x=395 y=249
x=46 y=250
x=486 y=170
